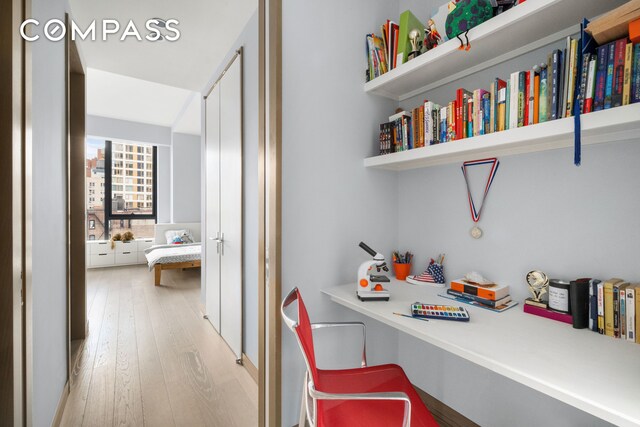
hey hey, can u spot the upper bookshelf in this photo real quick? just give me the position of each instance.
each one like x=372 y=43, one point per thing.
x=615 y=124
x=532 y=24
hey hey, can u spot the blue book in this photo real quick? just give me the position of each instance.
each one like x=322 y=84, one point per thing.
x=601 y=78
x=486 y=113
x=609 y=85
x=635 y=74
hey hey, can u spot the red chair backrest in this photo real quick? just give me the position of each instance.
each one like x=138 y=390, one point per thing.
x=305 y=335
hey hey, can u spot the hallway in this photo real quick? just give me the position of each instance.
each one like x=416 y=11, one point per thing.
x=151 y=359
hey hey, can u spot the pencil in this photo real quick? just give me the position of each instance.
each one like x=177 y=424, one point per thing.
x=410 y=317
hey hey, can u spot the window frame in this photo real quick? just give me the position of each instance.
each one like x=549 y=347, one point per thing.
x=108 y=202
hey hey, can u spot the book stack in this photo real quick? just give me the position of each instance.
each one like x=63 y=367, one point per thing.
x=568 y=82
x=490 y=296
x=613 y=306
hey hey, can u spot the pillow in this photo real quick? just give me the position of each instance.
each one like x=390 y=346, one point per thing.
x=179 y=237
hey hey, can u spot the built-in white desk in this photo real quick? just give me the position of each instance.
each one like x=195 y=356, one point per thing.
x=597 y=374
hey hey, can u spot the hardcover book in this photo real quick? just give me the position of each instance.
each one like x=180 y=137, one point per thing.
x=491 y=292
x=601 y=77
x=628 y=66
x=608 y=89
x=630 y=300
x=609 y=306
x=618 y=72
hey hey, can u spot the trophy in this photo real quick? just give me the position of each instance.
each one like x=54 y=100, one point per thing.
x=538 y=285
x=414 y=39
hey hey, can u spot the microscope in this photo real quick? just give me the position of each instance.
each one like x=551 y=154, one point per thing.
x=369 y=285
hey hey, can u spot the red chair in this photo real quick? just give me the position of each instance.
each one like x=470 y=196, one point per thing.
x=368 y=396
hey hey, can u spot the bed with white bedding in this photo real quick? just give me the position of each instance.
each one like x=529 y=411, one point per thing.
x=175 y=246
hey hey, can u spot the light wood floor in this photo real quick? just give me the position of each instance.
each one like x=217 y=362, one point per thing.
x=151 y=359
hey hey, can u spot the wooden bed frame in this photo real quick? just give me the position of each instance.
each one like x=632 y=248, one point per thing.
x=160 y=229
x=159 y=267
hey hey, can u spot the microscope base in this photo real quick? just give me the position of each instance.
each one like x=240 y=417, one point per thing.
x=373 y=295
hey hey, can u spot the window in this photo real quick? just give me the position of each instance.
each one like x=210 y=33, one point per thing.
x=115 y=194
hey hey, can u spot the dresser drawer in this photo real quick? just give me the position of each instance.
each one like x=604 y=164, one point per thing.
x=101 y=260
x=130 y=246
x=101 y=247
x=127 y=257
x=144 y=244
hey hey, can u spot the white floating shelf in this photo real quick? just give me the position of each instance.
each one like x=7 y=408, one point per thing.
x=616 y=124
x=532 y=24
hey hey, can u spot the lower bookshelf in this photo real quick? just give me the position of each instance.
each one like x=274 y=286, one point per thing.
x=616 y=124
x=592 y=372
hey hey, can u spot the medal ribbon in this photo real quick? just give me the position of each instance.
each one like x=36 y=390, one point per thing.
x=475 y=213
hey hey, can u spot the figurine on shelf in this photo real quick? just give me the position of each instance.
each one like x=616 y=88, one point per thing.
x=465 y=15
x=431 y=36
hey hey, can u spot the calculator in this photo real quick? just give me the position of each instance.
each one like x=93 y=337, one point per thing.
x=437 y=311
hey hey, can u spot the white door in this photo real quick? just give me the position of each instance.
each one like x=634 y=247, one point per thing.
x=212 y=217
x=231 y=207
x=223 y=268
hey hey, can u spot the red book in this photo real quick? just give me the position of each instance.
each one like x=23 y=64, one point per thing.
x=549 y=314
x=618 y=73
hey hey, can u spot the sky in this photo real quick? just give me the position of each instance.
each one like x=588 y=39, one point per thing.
x=92 y=147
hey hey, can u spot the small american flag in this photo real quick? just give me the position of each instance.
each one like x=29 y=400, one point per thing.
x=433 y=274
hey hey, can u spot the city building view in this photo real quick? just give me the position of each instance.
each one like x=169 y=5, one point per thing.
x=132 y=190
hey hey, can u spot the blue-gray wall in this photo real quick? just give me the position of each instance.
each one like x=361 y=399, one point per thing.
x=49 y=287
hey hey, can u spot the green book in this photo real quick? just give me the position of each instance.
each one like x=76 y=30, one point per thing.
x=508 y=102
x=408 y=23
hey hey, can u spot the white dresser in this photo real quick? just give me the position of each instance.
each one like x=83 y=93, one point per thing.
x=101 y=254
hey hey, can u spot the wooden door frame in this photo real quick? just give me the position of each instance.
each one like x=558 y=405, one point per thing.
x=270 y=206
x=76 y=212
x=14 y=138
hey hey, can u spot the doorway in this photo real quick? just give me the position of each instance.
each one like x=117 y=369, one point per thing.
x=224 y=215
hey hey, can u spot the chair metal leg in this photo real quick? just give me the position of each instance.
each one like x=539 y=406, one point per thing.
x=303 y=404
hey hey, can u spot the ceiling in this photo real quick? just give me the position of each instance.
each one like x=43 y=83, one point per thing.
x=208 y=29
x=156 y=82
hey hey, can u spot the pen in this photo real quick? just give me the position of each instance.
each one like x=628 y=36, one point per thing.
x=410 y=317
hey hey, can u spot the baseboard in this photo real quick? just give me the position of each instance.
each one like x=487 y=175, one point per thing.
x=444 y=415
x=250 y=367
x=57 y=419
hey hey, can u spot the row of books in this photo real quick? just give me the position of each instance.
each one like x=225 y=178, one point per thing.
x=614 y=308
x=386 y=52
x=569 y=81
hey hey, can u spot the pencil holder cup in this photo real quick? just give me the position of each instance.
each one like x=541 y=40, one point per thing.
x=401 y=270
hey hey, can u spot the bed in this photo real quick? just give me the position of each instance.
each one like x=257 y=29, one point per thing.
x=165 y=255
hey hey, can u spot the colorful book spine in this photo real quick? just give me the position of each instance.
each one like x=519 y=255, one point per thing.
x=542 y=113
x=601 y=78
x=622 y=296
x=443 y=124
x=528 y=98
x=522 y=79
x=628 y=66
x=490 y=303
x=428 y=123
x=555 y=83
x=600 y=297
x=635 y=80
x=630 y=298
x=608 y=308
x=593 y=305
x=616 y=312
x=618 y=72
x=584 y=74
x=608 y=91
x=507 y=110
x=486 y=113
x=571 y=78
x=591 y=78
x=536 y=97
x=501 y=110
x=469 y=121
x=499 y=85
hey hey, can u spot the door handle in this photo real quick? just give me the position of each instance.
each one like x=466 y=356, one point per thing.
x=219 y=239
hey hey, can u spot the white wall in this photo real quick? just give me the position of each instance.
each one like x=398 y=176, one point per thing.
x=185 y=178
x=49 y=218
x=248 y=40
x=106 y=127
x=330 y=202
